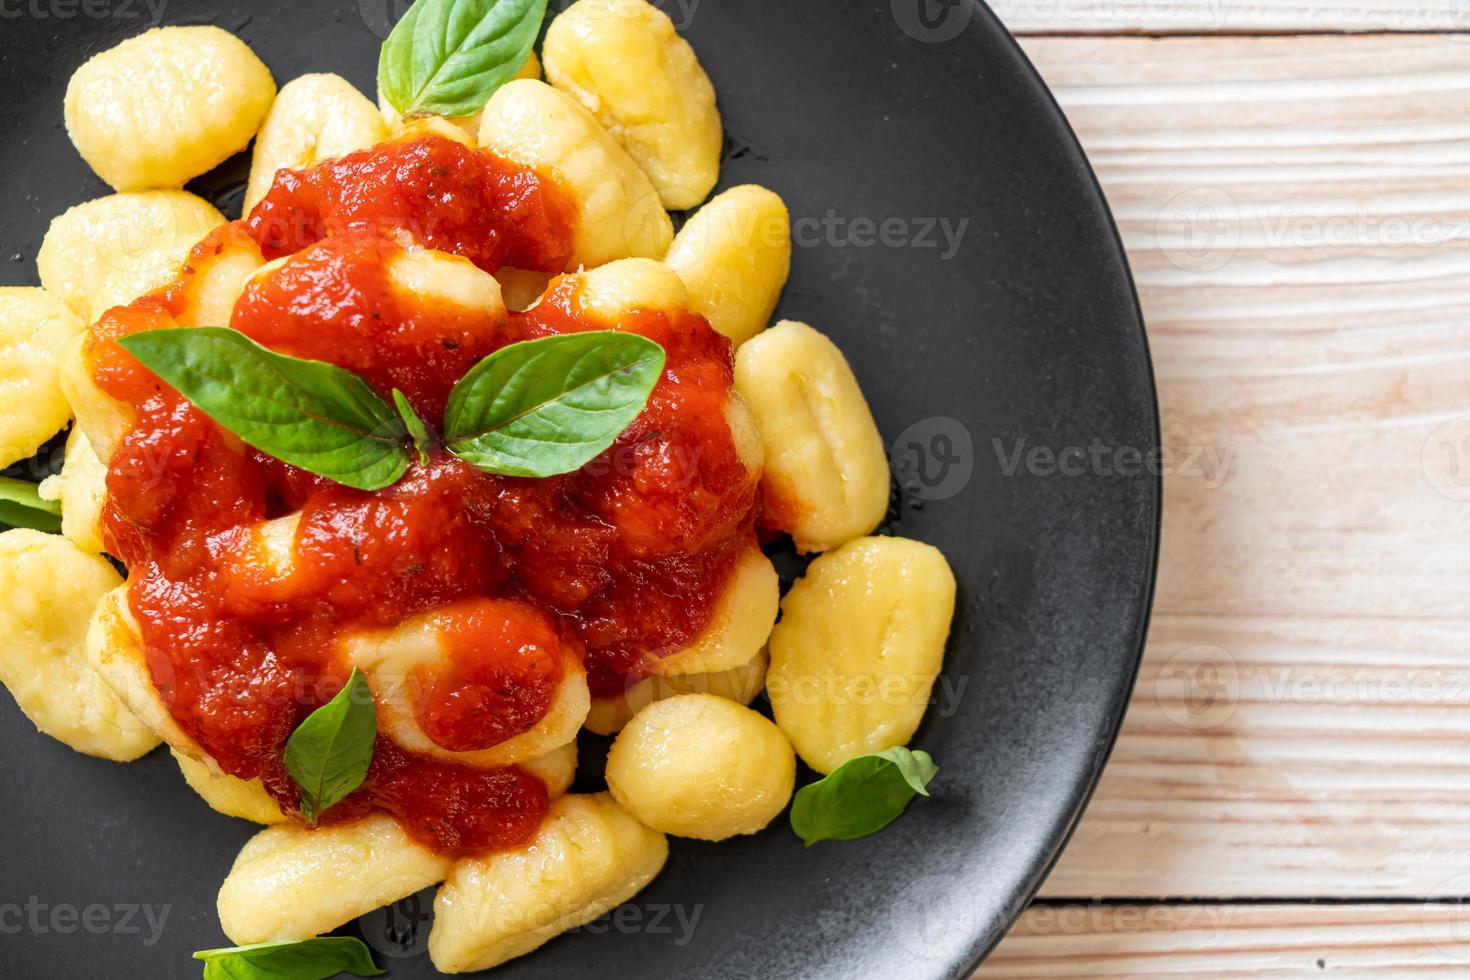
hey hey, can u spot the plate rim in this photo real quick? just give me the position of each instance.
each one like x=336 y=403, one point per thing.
x=1085 y=788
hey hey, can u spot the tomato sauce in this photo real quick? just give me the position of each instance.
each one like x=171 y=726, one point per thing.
x=609 y=568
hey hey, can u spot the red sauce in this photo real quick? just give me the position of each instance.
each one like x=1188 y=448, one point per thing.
x=609 y=567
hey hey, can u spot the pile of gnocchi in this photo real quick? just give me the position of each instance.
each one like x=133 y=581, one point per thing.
x=617 y=112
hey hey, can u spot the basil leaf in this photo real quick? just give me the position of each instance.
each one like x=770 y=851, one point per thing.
x=329 y=753
x=447 y=57
x=862 y=796
x=22 y=506
x=309 y=959
x=311 y=414
x=549 y=406
x=415 y=425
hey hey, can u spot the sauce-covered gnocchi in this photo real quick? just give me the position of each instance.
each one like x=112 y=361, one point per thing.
x=443 y=451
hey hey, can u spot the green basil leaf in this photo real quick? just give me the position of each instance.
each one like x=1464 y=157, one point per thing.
x=415 y=425
x=311 y=414
x=447 y=57
x=329 y=753
x=308 y=959
x=862 y=796
x=549 y=406
x=22 y=506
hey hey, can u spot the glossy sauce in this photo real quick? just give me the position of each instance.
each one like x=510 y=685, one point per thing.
x=610 y=567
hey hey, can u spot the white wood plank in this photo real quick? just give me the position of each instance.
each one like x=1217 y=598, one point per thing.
x=1216 y=942
x=1229 y=16
x=1297 y=211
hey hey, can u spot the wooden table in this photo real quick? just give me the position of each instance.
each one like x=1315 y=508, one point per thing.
x=1291 y=793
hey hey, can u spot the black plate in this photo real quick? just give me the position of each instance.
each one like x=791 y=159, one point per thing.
x=881 y=122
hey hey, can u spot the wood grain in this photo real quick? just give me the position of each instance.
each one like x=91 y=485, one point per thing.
x=1214 y=942
x=1297 y=212
x=1230 y=16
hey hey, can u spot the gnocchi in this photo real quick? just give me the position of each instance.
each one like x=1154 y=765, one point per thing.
x=217 y=273
x=476 y=605
x=625 y=63
x=50 y=589
x=81 y=488
x=394 y=661
x=101 y=418
x=35 y=329
x=735 y=256
x=589 y=856
x=294 y=882
x=556 y=769
x=617 y=288
x=826 y=471
x=618 y=212
x=162 y=108
x=314 y=118
x=741 y=621
x=112 y=250
x=740 y=684
x=115 y=651
x=230 y=795
x=699 y=765
x=860 y=642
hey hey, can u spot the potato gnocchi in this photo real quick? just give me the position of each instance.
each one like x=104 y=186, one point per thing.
x=619 y=213
x=699 y=765
x=314 y=118
x=393 y=661
x=742 y=684
x=859 y=644
x=625 y=63
x=735 y=255
x=294 y=882
x=589 y=857
x=493 y=615
x=50 y=589
x=110 y=251
x=826 y=469
x=81 y=489
x=166 y=106
x=35 y=329
x=230 y=795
